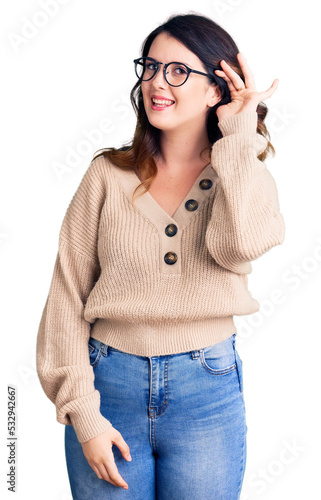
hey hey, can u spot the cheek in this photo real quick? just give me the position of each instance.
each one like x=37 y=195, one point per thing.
x=145 y=92
x=192 y=104
x=192 y=98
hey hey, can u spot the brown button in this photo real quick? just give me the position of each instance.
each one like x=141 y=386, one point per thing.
x=171 y=230
x=191 y=205
x=206 y=184
x=170 y=258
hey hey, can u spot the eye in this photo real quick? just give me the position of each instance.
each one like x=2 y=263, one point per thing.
x=180 y=70
x=151 y=66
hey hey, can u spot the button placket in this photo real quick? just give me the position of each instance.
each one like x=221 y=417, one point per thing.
x=191 y=205
x=170 y=228
x=171 y=250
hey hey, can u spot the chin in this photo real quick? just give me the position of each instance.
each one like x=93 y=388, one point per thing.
x=165 y=127
x=157 y=122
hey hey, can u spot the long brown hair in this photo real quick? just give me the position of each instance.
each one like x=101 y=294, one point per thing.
x=211 y=43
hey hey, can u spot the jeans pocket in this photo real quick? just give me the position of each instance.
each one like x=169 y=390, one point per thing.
x=96 y=350
x=219 y=358
x=239 y=367
x=239 y=363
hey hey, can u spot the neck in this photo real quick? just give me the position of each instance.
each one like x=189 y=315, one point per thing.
x=180 y=151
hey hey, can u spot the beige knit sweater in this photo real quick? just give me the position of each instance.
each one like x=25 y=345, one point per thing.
x=150 y=284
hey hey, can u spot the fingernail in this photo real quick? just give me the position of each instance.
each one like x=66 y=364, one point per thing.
x=129 y=457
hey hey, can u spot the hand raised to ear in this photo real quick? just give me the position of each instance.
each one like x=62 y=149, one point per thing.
x=244 y=96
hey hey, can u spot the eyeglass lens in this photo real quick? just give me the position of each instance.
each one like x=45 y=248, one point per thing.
x=176 y=74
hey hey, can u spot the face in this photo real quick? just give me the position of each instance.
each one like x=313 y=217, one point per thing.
x=191 y=101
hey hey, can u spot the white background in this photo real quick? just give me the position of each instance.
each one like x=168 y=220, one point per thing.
x=56 y=87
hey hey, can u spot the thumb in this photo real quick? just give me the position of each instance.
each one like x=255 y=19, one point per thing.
x=123 y=446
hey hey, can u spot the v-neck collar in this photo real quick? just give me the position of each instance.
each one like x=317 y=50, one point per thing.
x=149 y=207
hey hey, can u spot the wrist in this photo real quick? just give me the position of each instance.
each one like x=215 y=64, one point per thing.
x=244 y=122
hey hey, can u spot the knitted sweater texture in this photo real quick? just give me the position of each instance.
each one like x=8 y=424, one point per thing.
x=149 y=284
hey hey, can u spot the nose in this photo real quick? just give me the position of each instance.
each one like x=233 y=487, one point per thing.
x=159 y=79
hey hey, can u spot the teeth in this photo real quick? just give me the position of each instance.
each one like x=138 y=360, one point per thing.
x=163 y=101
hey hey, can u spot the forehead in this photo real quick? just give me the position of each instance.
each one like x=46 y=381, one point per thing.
x=165 y=49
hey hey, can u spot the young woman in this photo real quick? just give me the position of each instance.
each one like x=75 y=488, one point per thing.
x=136 y=344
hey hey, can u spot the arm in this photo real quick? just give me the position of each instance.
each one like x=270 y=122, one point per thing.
x=63 y=364
x=245 y=220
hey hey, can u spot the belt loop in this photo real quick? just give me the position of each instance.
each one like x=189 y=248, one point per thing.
x=195 y=354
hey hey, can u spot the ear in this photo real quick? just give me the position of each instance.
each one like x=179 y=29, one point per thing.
x=214 y=95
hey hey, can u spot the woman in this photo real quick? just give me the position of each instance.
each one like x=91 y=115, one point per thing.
x=136 y=345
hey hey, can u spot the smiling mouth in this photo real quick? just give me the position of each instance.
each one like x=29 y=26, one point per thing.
x=162 y=103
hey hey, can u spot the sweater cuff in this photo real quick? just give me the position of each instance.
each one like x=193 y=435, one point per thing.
x=245 y=123
x=87 y=420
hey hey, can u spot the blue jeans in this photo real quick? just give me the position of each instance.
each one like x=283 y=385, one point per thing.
x=183 y=417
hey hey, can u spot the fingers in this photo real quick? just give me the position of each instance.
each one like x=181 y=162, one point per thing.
x=249 y=79
x=270 y=91
x=235 y=82
x=232 y=78
x=107 y=469
x=230 y=84
x=99 y=454
x=110 y=473
x=122 y=445
x=96 y=471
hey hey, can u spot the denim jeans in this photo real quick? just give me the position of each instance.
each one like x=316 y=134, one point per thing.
x=183 y=417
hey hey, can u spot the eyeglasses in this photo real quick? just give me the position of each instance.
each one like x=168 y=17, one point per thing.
x=175 y=73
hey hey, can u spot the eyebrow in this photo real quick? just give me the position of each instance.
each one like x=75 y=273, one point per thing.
x=189 y=65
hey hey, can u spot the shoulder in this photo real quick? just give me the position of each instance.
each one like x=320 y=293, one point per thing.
x=98 y=175
x=99 y=166
x=104 y=168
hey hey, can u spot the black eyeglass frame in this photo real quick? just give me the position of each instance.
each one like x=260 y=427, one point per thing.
x=189 y=70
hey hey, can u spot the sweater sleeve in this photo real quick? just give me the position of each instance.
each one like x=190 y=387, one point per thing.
x=63 y=363
x=245 y=220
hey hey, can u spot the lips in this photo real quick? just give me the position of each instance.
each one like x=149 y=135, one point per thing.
x=161 y=98
x=159 y=102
